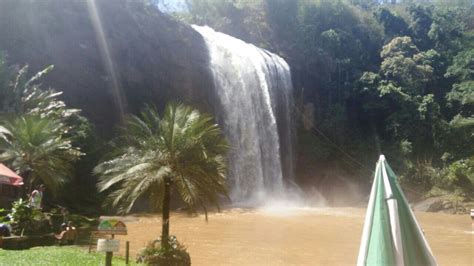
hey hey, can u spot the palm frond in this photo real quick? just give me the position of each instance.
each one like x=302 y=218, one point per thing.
x=33 y=144
x=184 y=144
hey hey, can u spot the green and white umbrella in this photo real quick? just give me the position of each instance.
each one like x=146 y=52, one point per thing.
x=392 y=235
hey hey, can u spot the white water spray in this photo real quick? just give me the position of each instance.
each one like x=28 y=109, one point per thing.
x=255 y=91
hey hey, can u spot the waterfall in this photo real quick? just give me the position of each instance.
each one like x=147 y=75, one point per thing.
x=254 y=90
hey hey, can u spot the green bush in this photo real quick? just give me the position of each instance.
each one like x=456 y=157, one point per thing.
x=455 y=185
x=27 y=220
x=174 y=254
x=3 y=216
x=458 y=176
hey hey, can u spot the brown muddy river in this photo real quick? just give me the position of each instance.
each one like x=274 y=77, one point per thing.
x=316 y=236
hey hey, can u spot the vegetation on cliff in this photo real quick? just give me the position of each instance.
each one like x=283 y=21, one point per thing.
x=392 y=77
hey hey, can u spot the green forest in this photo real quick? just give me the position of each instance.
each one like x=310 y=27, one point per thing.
x=370 y=77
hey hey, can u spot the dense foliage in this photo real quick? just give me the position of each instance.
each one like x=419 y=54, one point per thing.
x=183 y=145
x=35 y=147
x=183 y=150
x=39 y=135
x=392 y=77
x=25 y=220
x=174 y=254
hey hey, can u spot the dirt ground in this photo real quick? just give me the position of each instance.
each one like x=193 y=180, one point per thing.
x=319 y=236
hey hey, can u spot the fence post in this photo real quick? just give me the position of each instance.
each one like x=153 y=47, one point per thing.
x=127 y=251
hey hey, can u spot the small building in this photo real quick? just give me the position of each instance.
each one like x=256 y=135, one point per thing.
x=10 y=186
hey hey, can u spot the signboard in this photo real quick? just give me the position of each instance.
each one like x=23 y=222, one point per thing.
x=112 y=227
x=108 y=245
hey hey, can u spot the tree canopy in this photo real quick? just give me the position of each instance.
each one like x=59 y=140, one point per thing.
x=184 y=146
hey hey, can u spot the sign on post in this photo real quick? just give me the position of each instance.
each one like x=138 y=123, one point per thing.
x=108 y=245
x=110 y=227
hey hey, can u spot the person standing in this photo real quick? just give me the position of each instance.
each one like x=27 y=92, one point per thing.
x=36 y=197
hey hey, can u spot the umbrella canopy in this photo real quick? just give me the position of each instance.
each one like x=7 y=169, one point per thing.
x=392 y=235
x=9 y=177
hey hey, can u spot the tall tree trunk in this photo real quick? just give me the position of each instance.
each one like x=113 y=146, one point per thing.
x=27 y=188
x=165 y=228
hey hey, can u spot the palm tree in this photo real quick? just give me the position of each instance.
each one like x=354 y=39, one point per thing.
x=22 y=95
x=184 y=149
x=37 y=128
x=37 y=148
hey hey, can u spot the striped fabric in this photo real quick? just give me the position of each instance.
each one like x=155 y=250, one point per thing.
x=392 y=235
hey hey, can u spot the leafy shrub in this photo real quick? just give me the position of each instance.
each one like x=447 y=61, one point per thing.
x=3 y=216
x=458 y=176
x=20 y=216
x=27 y=220
x=421 y=174
x=174 y=254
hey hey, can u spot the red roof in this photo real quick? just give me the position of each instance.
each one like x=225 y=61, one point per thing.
x=9 y=177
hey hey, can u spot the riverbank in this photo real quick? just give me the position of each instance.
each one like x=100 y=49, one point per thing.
x=307 y=236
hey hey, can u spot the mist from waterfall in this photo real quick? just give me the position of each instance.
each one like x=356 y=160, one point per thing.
x=255 y=93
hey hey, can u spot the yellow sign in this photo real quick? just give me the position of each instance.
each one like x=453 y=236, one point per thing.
x=112 y=227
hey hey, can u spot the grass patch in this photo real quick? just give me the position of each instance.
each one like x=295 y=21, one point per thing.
x=56 y=256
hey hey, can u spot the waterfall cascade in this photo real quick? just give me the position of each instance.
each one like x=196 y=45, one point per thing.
x=255 y=92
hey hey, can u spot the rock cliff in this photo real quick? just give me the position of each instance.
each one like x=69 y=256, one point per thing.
x=153 y=57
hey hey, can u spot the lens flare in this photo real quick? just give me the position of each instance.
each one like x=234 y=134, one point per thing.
x=107 y=59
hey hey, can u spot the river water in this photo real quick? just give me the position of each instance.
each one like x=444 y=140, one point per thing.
x=306 y=236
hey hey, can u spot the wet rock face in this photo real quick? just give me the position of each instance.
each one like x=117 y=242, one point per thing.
x=155 y=58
